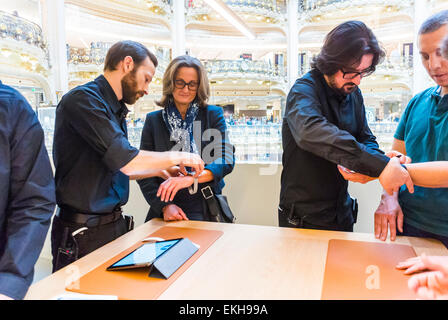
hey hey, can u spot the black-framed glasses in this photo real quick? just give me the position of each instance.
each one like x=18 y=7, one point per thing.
x=192 y=85
x=353 y=74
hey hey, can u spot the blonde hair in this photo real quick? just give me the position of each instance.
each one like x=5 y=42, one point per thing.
x=169 y=77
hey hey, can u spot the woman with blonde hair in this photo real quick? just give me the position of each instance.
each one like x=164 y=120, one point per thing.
x=186 y=122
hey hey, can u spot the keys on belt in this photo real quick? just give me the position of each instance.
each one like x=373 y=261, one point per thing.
x=291 y=216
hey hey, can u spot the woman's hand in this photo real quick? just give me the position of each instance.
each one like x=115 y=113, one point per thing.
x=172 y=212
x=168 y=189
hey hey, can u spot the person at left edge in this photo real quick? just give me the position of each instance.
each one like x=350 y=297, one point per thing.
x=94 y=159
x=27 y=199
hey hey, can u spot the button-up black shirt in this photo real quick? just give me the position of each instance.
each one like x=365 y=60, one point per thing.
x=322 y=129
x=90 y=147
x=27 y=197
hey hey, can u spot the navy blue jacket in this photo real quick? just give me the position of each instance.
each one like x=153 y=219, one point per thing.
x=156 y=137
x=27 y=197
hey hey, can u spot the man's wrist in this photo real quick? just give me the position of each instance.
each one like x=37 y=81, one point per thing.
x=176 y=157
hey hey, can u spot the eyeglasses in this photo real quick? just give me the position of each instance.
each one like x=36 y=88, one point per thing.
x=180 y=84
x=353 y=74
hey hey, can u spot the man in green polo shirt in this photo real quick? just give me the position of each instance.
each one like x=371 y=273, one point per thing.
x=422 y=135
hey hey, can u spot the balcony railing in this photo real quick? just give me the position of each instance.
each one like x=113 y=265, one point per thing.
x=92 y=59
x=238 y=68
x=266 y=11
x=257 y=5
x=403 y=65
x=22 y=45
x=255 y=140
x=93 y=55
x=162 y=7
x=254 y=143
x=310 y=5
x=306 y=5
x=20 y=29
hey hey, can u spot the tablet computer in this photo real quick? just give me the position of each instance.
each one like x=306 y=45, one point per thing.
x=144 y=255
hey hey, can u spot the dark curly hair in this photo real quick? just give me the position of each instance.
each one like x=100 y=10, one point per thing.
x=345 y=46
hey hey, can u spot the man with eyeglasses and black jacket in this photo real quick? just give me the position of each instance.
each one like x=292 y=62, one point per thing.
x=326 y=138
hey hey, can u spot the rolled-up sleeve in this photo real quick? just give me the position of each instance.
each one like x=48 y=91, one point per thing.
x=314 y=133
x=30 y=206
x=88 y=116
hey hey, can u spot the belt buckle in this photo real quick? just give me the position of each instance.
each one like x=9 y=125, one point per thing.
x=209 y=190
x=93 y=221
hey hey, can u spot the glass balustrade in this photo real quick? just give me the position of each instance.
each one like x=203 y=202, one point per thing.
x=93 y=58
x=255 y=140
x=253 y=11
x=310 y=5
x=245 y=67
x=253 y=5
x=20 y=29
x=29 y=36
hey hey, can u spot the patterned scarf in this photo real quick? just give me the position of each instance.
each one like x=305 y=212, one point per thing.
x=181 y=131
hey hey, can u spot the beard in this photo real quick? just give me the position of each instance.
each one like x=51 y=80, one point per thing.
x=345 y=89
x=129 y=87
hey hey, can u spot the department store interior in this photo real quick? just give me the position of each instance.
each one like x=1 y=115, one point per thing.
x=49 y=47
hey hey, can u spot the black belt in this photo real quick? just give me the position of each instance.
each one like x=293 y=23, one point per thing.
x=90 y=220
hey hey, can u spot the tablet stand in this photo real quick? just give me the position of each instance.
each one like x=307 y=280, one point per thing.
x=165 y=265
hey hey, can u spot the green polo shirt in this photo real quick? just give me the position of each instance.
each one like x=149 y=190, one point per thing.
x=424 y=129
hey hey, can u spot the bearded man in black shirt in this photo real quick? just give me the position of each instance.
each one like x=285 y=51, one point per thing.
x=94 y=159
x=326 y=138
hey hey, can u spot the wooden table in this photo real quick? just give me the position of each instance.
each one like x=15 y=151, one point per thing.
x=262 y=262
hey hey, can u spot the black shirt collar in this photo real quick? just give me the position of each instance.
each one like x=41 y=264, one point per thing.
x=329 y=90
x=118 y=107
